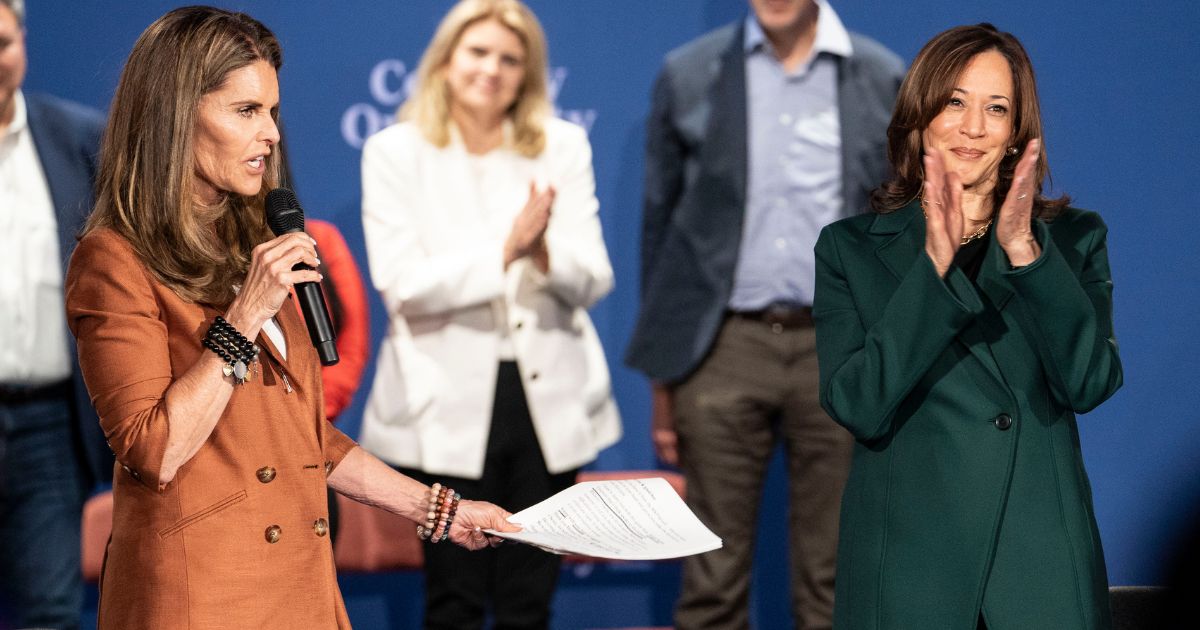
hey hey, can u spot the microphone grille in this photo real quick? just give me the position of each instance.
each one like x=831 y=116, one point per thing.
x=283 y=212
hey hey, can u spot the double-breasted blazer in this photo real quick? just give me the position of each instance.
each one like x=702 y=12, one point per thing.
x=967 y=490
x=197 y=552
x=694 y=202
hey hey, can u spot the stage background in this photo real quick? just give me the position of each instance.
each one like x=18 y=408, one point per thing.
x=1119 y=87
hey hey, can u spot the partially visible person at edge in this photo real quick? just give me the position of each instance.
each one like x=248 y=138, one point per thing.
x=761 y=132
x=960 y=329
x=51 y=450
x=224 y=453
x=480 y=217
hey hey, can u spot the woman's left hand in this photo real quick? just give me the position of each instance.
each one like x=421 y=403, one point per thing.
x=529 y=228
x=1014 y=221
x=473 y=517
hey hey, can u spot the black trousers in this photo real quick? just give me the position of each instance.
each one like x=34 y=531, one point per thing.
x=516 y=582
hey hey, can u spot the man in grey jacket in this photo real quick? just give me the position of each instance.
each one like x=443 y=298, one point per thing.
x=761 y=133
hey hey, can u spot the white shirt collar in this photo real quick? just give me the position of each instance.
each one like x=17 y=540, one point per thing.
x=20 y=118
x=832 y=36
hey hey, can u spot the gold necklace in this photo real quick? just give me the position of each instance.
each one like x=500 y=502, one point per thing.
x=977 y=233
x=980 y=231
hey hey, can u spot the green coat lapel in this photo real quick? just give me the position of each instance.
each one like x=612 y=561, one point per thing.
x=900 y=251
x=907 y=237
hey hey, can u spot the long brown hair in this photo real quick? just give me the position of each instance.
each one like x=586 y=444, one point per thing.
x=147 y=167
x=428 y=107
x=923 y=95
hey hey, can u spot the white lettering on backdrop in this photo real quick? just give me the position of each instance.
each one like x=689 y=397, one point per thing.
x=390 y=83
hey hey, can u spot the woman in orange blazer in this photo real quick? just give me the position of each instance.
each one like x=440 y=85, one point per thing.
x=223 y=452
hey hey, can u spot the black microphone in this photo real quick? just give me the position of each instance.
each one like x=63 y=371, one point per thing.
x=285 y=216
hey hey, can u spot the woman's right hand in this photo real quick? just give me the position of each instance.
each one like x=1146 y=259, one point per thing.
x=473 y=517
x=941 y=199
x=530 y=225
x=270 y=278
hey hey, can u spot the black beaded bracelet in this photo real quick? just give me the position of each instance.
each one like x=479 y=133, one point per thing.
x=249 y=350
x=233 y=347
x=234 y=335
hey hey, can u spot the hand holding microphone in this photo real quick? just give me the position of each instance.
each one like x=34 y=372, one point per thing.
x=285 y=216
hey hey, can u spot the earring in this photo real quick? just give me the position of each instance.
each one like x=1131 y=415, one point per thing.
x=1012 y=150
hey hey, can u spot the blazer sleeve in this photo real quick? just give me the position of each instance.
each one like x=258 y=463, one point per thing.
x=335 y=445
x=580 y=271
x=1071 y=315
x=341 y=381
x=666 y=157
x=411 y=279
x=123 y=351
x=865 y=373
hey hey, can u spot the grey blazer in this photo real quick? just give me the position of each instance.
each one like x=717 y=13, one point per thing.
x=695 y=185
x=67 y=138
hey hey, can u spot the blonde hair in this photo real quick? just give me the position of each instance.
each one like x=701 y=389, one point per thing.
x=429 y=106
x=147 y=163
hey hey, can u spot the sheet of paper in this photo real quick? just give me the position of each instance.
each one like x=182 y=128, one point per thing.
x=626 y=519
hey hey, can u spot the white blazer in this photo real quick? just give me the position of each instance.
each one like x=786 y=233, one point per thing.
x=435 y=222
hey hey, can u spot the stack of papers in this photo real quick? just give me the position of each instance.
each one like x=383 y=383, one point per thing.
x=627 y=519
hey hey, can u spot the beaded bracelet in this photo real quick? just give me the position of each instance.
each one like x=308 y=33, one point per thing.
x=446 y=516
x=233 y=347
x=425 y=531
x=443 y=504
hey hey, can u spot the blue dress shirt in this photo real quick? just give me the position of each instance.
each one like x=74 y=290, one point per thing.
x=794 y=165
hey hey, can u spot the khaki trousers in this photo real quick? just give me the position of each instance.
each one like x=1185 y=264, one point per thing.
x=757 y=387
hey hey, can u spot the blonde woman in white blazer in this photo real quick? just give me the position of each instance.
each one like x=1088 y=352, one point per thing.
x=480 y=217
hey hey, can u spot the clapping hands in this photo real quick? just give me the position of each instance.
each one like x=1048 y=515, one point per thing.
x=942 y=194
x=528 y=235
x=1014 y=222
x=941 y=199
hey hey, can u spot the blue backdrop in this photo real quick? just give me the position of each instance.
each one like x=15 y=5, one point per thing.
x=1119 y=89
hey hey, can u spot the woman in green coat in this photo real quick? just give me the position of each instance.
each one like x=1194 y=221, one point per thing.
x=960 y=328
